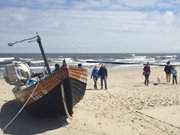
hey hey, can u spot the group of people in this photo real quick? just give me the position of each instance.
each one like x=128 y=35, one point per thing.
x=101 y=73
x=169 y=70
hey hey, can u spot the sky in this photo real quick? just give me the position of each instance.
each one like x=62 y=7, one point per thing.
x=91 y=26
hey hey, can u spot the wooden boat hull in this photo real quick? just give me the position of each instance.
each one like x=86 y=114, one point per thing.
x=47 y=98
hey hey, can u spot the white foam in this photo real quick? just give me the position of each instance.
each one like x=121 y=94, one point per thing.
x=37 y=61
x=6 y=59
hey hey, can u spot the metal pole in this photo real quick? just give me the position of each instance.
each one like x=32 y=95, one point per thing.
x=43 y=54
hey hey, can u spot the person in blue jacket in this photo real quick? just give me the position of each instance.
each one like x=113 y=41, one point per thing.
x=174 y=75
x=94 y=76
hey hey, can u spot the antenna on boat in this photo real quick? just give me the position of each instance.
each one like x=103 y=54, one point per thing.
x=38 y=40
x=42 y=52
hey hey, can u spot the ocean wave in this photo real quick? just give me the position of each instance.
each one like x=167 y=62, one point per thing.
x=36 y=62
x=6 y=59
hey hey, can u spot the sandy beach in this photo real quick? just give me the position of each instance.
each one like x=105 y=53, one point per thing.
x=123 y=109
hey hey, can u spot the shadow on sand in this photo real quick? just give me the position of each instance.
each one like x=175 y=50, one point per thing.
x=92 y=89
x=26 y=124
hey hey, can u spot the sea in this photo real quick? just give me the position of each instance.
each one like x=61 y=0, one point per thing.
x=36 y=62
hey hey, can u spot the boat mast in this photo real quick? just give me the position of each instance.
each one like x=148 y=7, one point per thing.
x=43 y=54
x=38 y=39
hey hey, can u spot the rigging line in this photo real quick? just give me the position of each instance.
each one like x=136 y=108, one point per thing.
x=20 y=110
x=64 y=102
x=21 y=41
x=171 y=125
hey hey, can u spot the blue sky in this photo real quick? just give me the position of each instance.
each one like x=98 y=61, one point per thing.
x=91 y=26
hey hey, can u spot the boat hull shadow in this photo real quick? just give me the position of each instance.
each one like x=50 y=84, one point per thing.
x=26 y=124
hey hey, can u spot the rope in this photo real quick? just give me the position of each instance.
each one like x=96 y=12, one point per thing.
x=156 y=126
x=18 y=113
x=21 y=41
x=171 y=125
x=64 y=103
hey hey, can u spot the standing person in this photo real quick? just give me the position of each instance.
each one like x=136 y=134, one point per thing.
x=94 y=75
x=174 y=75
x=103 y=75
x=56 y=67
x=167 y=70
x=146 y=73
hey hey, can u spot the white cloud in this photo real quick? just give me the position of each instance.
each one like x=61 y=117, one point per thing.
x=141 y=3
x=91 y=31
x=96 y=4
x=169 y=17
x=18 y=17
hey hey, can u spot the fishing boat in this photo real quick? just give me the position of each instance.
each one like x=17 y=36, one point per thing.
x=55 y=92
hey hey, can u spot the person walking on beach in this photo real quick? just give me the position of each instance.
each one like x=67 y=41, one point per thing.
x=146 y=73
x=102 y=73
x=167 y=70
x=94 y=76
x=174 y=75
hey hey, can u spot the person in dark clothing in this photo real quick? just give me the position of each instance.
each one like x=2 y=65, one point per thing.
x=94 y=76
x=146 y=73
x=102 y=73
x=56 y=67
x=79 y=65
x=167 y=70
x=64 y=63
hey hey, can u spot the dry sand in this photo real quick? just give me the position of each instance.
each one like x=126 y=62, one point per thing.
x=120 y=110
